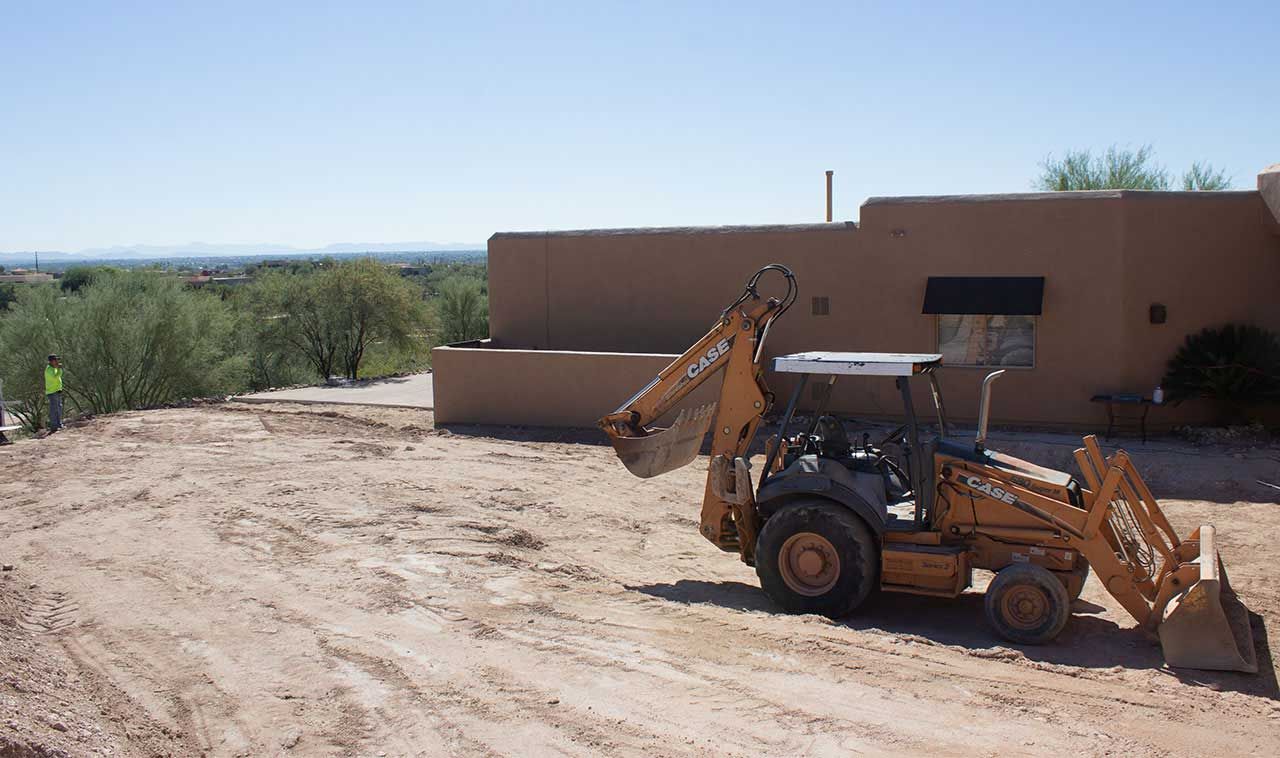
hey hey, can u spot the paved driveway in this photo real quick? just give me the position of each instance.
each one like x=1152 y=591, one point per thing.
x=413 y=391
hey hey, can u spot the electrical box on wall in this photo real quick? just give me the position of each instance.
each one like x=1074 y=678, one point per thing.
x=1158 y=314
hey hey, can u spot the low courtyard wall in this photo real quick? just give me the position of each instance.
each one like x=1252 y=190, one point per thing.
x=480 y=383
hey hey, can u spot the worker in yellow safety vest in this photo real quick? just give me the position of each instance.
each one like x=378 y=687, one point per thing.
x=53 y=391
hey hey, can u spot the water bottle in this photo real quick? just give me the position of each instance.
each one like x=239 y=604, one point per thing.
x=1157 y=397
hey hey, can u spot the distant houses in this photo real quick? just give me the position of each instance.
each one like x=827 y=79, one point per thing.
x=23 y=276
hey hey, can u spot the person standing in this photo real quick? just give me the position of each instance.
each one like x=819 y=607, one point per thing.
x=53 y=391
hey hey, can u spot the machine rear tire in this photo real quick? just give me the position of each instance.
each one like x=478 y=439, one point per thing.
x=817 y=557
x=1027 y=604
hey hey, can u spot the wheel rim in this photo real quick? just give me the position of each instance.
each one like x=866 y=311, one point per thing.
x=1025 y=607
x=809 y=564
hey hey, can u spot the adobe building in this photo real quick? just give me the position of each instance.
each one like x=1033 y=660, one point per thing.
x=1076 y=293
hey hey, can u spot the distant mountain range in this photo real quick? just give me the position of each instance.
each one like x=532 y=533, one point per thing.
x=204 y=249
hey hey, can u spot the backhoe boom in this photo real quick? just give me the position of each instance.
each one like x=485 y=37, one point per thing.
x=733 y=345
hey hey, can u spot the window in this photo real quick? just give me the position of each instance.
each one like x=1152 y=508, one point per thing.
x=986 y=320
x=985 y=340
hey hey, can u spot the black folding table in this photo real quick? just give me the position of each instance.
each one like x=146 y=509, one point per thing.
x=1136 y=421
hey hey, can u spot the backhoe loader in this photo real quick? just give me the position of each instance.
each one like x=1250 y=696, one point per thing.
x=830 y=519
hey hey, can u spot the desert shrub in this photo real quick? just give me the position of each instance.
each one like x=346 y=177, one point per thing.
x=462 y=310
x=128 y=340
x=385 y=359
x=28 y=333
x=1235 y=367
x=139 y=340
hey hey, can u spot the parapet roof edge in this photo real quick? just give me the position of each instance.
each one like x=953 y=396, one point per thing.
x=835 y=226
x=1059 y=196
x=887 y=200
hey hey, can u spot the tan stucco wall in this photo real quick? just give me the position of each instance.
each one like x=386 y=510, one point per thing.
x=1269 y=188
x=1209 y=259
x=1105 y=256
x=485 y=385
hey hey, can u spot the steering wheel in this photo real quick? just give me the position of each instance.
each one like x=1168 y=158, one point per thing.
x=887 y=464
x=893 y=436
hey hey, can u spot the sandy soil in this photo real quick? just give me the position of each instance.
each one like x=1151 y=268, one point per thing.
x=261 y=580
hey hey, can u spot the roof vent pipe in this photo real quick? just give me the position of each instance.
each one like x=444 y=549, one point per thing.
x=829 y=173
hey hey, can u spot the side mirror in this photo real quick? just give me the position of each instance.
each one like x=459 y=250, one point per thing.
x=984 y=409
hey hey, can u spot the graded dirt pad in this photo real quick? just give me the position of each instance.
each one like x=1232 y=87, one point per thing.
x=264 y=580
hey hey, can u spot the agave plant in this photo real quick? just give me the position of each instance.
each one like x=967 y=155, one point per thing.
x=1235 y=367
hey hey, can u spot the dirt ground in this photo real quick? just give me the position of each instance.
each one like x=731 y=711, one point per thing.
x=264 y=580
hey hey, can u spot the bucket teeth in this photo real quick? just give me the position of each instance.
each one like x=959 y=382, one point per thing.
x=663 y=450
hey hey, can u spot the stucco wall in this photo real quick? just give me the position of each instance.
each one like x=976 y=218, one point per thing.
x=482 y=384
x=1205 y=256
x=1105 y=256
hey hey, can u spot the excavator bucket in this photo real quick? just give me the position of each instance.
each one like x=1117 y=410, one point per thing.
x=663 y=450
x=1207 y=627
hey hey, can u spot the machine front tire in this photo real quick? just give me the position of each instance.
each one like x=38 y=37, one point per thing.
x=817 y=557
x=1027 y=604
x=1081 y=570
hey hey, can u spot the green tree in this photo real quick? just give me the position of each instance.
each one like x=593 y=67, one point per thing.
x=333 y=315
x=135 y=340
x=371 y=304
x=292 y=317
x=1203 y=177
x=462 y=310
x=268 y=362
x=128 y=340
x=77 y=277
x=8 y=294
x=1121 y=168
x=439 y=273
x=28 y=333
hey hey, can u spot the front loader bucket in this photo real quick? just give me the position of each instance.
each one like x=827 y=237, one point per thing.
x=663 y=450
x=1207 y=627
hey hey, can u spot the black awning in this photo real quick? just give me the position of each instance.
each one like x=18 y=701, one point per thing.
x=984 y=295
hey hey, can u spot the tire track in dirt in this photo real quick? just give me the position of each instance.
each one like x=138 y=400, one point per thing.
x=418 y=592
x=49 y=612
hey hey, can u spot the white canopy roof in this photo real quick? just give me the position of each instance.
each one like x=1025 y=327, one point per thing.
x=856 y=364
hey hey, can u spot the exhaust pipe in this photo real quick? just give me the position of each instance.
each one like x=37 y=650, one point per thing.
x=984 y=410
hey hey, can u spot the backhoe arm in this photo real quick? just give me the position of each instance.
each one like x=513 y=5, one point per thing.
x=735 y=345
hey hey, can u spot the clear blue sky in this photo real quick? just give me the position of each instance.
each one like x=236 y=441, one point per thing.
x=308 y=123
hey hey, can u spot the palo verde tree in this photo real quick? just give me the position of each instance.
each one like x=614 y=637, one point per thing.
x=128 y=340
x=28 y=333
x=138 y=339
x=1122 y=168
x=1202 y=177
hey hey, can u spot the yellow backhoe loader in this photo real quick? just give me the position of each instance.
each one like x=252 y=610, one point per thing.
x=831 y=519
